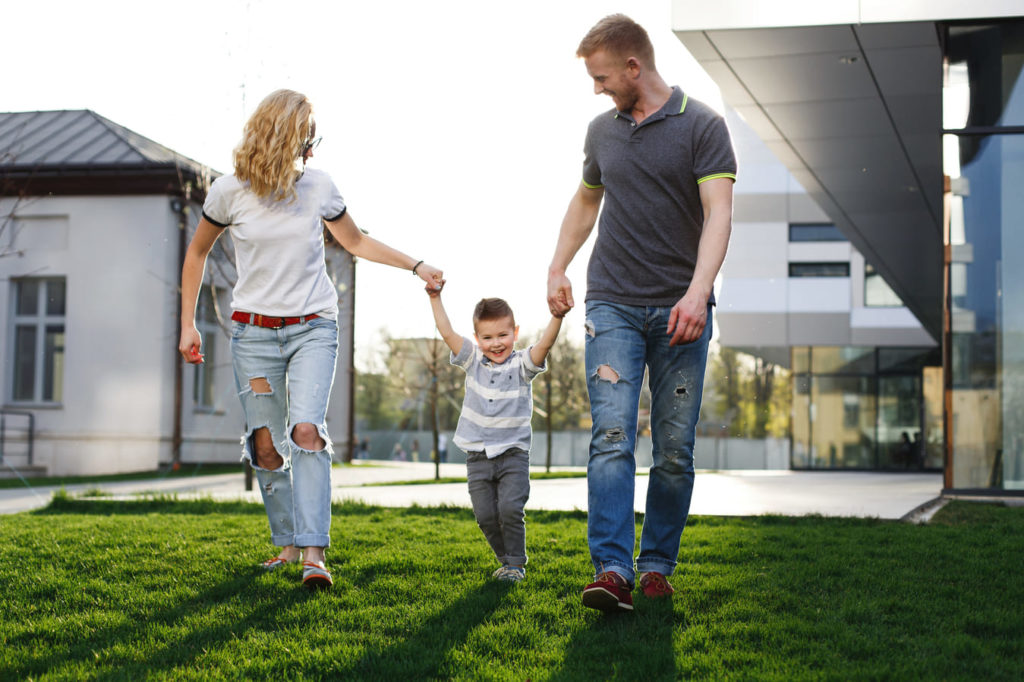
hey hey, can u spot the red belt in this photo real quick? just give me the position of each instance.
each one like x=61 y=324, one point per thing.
x=268 y=322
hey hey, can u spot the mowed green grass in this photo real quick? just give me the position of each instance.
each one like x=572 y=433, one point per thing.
x=165 y=589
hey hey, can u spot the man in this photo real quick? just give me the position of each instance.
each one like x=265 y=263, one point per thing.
x=664 y=166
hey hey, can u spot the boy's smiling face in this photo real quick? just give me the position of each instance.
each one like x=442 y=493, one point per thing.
x=496 y=338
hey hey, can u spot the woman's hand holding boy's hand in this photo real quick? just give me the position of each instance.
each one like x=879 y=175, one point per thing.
x=431 y=275
x=434 y=290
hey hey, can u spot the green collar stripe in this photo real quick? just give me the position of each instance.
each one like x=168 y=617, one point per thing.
x=686 y=98
x=716 y=176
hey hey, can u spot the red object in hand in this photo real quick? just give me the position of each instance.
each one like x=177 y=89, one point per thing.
x=195 y=354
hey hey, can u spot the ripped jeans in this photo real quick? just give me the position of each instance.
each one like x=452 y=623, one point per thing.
x=620 y=341
x=297 y=363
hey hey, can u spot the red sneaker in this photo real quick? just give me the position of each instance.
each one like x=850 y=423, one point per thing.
x=610 y=592
x=655 y=585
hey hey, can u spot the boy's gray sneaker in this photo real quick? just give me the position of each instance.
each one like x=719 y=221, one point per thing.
x=511 y=574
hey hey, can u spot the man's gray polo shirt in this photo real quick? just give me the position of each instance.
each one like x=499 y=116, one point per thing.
x=652 y=217
x=498 y=406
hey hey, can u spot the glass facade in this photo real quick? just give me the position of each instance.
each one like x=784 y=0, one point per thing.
x=819 y=269
x=877 y=292
x=866 y=408
x=815 y=232
x=984 y=157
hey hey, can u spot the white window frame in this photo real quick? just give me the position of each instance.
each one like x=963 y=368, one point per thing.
x=41 y=321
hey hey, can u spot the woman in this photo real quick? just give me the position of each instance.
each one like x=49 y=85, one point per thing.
x=284 y=340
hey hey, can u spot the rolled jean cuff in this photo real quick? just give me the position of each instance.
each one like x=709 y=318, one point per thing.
x=666 y=568
x=312 y=540
x=612 y=567
x=513 y=560
x=281 y=539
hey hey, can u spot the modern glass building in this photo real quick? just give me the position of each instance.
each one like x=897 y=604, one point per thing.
x=904 y=122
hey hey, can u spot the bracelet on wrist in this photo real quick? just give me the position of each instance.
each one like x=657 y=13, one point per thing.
x=416 y=266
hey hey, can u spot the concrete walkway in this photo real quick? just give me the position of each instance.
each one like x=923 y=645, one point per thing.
x=734 y=493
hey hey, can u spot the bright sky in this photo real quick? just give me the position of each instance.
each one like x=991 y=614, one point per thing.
x=454 y=129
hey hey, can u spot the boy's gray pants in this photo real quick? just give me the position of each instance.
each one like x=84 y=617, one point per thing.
x=499 y=488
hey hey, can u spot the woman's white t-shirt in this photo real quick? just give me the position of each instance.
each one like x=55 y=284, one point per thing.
x=279 y=245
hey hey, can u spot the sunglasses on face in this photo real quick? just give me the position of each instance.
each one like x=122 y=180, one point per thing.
x=309 y=145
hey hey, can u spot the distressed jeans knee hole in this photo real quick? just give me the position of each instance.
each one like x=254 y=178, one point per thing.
x=260 y=386
x=616 y=434
x=606 y=373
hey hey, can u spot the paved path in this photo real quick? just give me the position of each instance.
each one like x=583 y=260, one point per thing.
x=736 y=493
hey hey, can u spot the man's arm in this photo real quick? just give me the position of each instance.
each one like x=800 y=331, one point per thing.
x=688 y=318
x=451 y=338
x=577 y=225
x=539 y=351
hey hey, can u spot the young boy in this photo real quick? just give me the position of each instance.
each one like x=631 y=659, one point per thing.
x=494 y=427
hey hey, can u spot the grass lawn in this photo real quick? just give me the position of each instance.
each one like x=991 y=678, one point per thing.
x=534 y=476
x=168 y=589
x=186 y=471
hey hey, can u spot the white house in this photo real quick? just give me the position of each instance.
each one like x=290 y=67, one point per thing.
x=94 y=220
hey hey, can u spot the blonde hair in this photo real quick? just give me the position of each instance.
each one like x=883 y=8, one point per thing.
x=619 y=36
x=272 y=141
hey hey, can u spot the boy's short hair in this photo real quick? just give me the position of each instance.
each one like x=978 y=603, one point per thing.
x=620 y=36
x=492 y=309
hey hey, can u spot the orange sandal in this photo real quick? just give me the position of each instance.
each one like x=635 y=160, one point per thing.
x=315 y=576
x=274 y=564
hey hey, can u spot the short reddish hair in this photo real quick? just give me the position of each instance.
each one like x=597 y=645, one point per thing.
x=620 y=36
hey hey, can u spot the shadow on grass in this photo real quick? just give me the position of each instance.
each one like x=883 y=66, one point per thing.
x=631 y=646
x=423 y=654
x=170 y=504
x=110 y=651
x=163 y=504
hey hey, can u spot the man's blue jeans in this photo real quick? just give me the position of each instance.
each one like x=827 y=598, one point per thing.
x=621 y=341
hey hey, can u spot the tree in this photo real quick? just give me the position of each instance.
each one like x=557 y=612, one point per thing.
x=17 y=192
x=419 y=369
x=562 y=390
x=374 y=403
x=750 y=396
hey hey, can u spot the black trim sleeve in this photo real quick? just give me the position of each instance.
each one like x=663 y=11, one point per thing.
x=211 y=220
x=337 y=217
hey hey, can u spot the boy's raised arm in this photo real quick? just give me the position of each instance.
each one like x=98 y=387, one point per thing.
x=539 y=351
x=451 y=338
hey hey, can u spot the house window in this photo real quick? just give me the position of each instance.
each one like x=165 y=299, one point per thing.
x=815 y=232
x=877 y=292
x=840 y=269
x=38 y=343
x=206 y=322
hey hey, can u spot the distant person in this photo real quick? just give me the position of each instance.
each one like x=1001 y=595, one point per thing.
x=919 y=451
x=364 y=449
x=398 y=453
x=663 y=164
x=442 y=447
x=284 y=341
x=494 y=427
x=414 y=454
x=905 y=452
